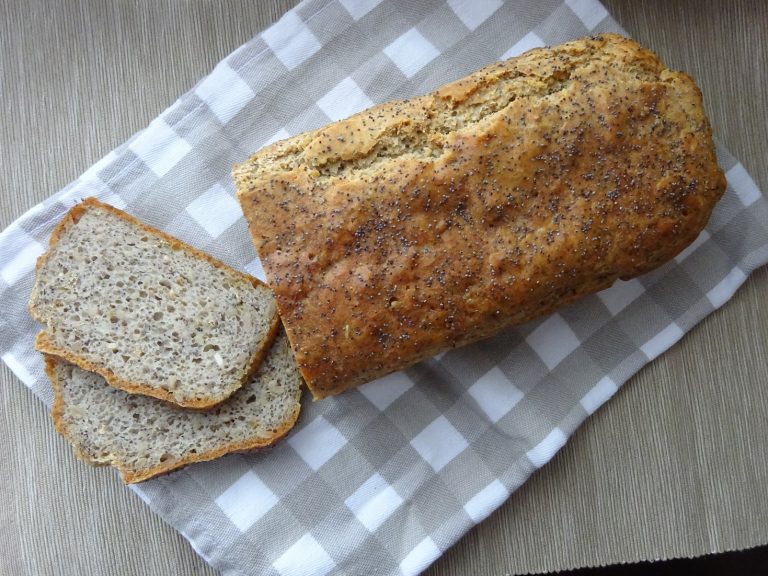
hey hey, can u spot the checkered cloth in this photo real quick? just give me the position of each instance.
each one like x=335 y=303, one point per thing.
x=384 y=478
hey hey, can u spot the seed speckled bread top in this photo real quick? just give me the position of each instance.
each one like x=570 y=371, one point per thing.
x=420 y=225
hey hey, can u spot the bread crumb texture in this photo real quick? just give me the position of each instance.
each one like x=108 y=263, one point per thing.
x=143 y=437
x=150 y=314
x=425 y=224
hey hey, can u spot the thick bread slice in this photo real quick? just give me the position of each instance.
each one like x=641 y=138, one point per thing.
x=420 y=225
x=149 y=313
x=143 y=437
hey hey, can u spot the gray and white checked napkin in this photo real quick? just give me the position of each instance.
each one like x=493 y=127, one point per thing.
x=381 y=479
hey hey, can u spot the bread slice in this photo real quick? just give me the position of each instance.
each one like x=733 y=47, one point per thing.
x=147 y=312
x=143 y=437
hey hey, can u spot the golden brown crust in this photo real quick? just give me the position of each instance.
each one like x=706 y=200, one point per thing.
x=131 y=476
x=420 y=225
x=45 y=345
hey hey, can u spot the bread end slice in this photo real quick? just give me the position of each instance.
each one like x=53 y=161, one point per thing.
x=143 y=437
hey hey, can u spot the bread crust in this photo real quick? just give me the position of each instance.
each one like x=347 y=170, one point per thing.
x=44 y=344
x=426 y=224
x=131 y=476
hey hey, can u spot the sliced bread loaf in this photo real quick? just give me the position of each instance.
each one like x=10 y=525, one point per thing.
x=143 y=437
x=147 y=312
x=420 y=225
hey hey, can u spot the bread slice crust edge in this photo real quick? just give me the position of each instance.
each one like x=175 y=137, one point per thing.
x=132 y=477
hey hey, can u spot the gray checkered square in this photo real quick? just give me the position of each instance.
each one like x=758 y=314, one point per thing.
x=586 y=317
x=522 y=366
x=379 y=441
x=285 y=472
x=676 y=281
x=406 y=471
x=507 y=440
x=328 y=23
x=310 y=502
x=609 y=346
x=415 y=411
x=442 y=29
x=558 y=25
x=464 y=487
x=442 y=503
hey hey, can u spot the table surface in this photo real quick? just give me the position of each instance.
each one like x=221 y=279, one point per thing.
x=673 y=466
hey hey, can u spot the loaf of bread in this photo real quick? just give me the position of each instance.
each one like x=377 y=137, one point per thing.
x=143 y=437
x=147 y=312
x=425 y=224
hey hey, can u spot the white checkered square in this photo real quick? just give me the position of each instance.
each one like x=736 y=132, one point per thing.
x=553 y=340
x=374 y=502
x=215 y=210
x=474 y=12
x=721 y=293
x=599 y=394
x=495 y=394
x=305 y=558
x=439 y=443
x=384 y=391
x=742 y=183
x=26 y=249
x=486 y=501
x=662 y=341
x=291 y=40
x=544 y=450
x=621 y=295
x=527 y=42
x=225 y=92
x=693 y=246
x=422 y=555
x=19 y=369
x=343 y=100
x=411 y=52
x=246 y=501
x=159 y=147
x=359 y=8
x=254 y=268
x=317 y=442
x=590 y=12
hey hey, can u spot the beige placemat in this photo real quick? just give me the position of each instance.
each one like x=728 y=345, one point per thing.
x=97 y=506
